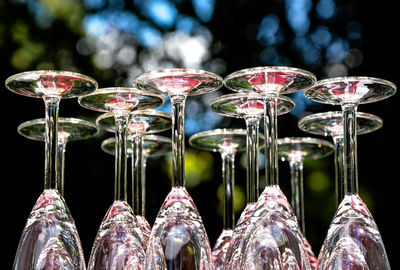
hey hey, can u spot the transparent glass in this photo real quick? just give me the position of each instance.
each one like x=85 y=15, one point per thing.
x=119 y=243
x=153 y=147
x=178 y=239
x=295 y=150
x=353 y=240
x=331 y=124
x=250 y=107
x=69 y=129
x=272 y=238
x=50 y=238
x=227 y=142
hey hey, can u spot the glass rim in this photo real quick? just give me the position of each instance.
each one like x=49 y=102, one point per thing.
x=61 y=120
x=51 y=72
x=269 y=68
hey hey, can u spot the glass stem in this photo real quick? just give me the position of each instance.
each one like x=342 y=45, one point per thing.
x=296 y=180
x=271 y=139
x=121 y=122
x=138 y=183
x=51 y=142
x=252 y=125
x=339 y=174
x=350 y=148
x=62 y=143
x=178 y=140
x=228 y=182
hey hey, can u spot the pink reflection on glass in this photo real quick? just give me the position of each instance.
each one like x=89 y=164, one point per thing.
x=353 y=240
x=56 y=84
x=221 y=248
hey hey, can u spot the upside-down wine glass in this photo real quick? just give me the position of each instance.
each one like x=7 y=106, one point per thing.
x=69 y=129
x=140 y=123
x=119 y=243
x=250 y=107
x=331 y=124
x=178 y=239
x=50 y=239
x=295 y=150
x=273 y=238
x=227 y=142
x=353 y=240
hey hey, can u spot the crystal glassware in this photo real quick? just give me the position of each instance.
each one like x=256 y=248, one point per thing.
x=227 y=142
x=178 y=239
x=295 y=150
x=353 y=239
x=331 y=124
x=273 y=237
x=119 y=242
x=50 y=239
x=140 y=123
x=69 y=129
x=250 y=107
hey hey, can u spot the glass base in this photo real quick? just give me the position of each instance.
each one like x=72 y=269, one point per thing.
x=243 y=105
x=331 y=123
x=72 y=129
x=270 y=80
x=148 y=121
x=41 y=83
x=302 y=148
x=179 y=82
x=153 y=146
x=217 y=140
x=120 y=99
x=354 y=90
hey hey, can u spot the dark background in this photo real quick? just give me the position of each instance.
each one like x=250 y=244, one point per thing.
x=235 y=34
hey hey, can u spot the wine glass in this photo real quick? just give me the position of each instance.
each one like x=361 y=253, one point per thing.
x=119 y=242
x=353 y=239
x=250 y=107
x=227 y=142
x=153 y=146
x=178 y=239
x=273 y=237
x=295 y=150
x=331 y=124
x=140 y=123
x=50 y=238
x=69 y=129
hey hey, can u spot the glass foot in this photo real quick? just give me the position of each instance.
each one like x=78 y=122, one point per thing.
x=331 y=123
x=270 y=80
x=43 y=83
x=119 y=98
x=302 y=148
x=148 y=121
x=243 y=105
x=179 y=81
x=71 y=129
x=354 y=90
